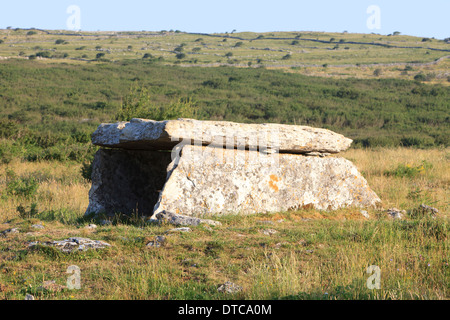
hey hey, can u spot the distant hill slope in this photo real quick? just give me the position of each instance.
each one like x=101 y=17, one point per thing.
x=340 y=55
x=56 y=88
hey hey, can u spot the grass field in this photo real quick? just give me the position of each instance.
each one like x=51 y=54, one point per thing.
x=313 y=255
x=390 y=94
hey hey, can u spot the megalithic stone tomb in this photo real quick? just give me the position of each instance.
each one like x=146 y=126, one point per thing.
x=198 y=168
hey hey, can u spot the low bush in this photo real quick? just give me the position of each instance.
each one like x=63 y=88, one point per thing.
x=25 y=187
x=408 y=170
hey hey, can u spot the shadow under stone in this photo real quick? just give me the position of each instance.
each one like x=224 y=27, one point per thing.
x=127 y=181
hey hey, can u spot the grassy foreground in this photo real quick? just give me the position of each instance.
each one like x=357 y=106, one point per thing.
x=313 y=255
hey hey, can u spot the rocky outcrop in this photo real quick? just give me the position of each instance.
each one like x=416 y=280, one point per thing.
x=181 y=220
x=220 y=168
x=73 y=244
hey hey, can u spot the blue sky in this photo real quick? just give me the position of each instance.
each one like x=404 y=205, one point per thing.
x=420 y=18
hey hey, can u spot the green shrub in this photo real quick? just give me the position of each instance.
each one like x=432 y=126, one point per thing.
x=86 y=170
x=20 y=186
x=423 y=141
x=419 y=196
x=62 y=215
x=213 y=83
x=60 y=55
x=409 y=171
x=379 y=141
x=6 y=156
x=28 y=214
x=345 y=93
x=8 y=128
x=20 y=116
x=420 y=77
x=180 y=56
x=138 y=104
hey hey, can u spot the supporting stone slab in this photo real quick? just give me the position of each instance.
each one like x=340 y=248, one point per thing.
x=127 y=181
x=215 y=181
x=211 y=181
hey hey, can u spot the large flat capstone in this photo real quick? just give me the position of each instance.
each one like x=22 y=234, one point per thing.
x=165 y=135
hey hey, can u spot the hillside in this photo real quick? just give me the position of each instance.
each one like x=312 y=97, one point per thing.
x=57 y=87
x=311 y=53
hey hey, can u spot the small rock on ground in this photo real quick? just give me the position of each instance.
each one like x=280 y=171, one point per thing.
x=395 y=213
x=180 y=220
x=183 y=229
x=266 y=222
x=32 y=234
x=365 y=214
x=427 y=210
x=9 y=231
x=229 y=287
x=158 y=242
x=280 y=244
x=73 y=244
x=268 y=232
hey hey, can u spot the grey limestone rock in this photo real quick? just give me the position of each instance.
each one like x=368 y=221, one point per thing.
x=180 y=220
x=229 y=287
x=220 y=168
x=395 y=213
x=200 y=186
x=165 y=135
x=73 y=244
